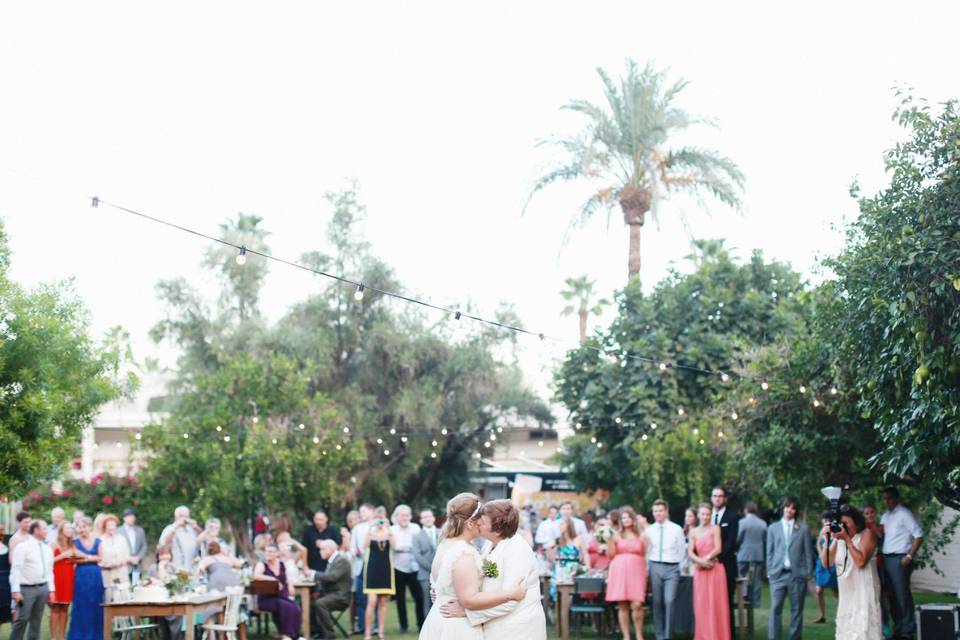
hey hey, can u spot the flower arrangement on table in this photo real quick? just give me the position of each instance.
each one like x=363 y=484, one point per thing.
x=179 y=582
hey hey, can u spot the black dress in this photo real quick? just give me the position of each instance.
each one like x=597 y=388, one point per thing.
x=378 y=569
x=5 y=613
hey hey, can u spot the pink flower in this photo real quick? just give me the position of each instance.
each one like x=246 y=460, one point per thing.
x=107 y=499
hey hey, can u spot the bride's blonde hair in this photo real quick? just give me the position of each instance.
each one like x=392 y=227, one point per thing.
x=461 y=509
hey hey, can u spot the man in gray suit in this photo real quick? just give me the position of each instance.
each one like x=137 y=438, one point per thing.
x=750 y=557
x=790 y=561
x=334 y=583
x=424 y=547
x=136 y=542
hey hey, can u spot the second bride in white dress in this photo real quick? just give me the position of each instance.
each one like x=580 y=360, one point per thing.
x=457 y=575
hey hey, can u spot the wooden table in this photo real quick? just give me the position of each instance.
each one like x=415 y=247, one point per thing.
x=302 y=589
x=564 y=595
x=139 y=609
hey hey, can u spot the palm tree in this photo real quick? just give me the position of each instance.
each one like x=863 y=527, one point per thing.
x=624 y=151
x=580 y=291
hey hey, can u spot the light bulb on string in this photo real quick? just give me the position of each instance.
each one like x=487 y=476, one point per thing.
x=316 y=440
x=393 y=431
x=226 y=438
x=379 y=440
x=339 y=447
x=493 y=436
x=255 y=419
x=680 y=411
x=138 y=436
x=274 y=441
x=219 y=428
x=643 y=437
x=734 y=416
x=833 y=391
x=242 y=256
x=433 y=443
x=653 y=425
x=593 y=440
x=499 y=429
x=701 y=440
x=443 y=431
x=599 y=445
x=433 y=454
x=302 y=426
x=725 y=377
x=764 y=385
x=617 y=420
x=803 y=388
x=403 y=438
x=816 y=403
x=583 y=404
x=539 y=443
x=346 y=429
x=487 y=444
x=578 y=426
x=663 y=366
x=386 y=452
x=358 y=294
x=186 y=435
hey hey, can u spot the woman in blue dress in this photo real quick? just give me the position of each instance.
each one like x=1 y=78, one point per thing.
x=86 y=616
x=826 y=577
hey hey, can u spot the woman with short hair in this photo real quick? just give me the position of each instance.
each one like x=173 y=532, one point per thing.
x=288 y=613
x=114 y=554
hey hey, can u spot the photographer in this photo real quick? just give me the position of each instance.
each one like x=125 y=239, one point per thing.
x=853 y=552
x=181 y=537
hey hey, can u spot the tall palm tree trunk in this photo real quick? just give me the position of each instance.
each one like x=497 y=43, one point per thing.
x=583 y=323
x=634 y=203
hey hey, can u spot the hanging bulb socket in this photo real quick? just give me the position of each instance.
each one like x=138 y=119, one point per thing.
x=456 y=315
x=358 y=294
x=242 y=256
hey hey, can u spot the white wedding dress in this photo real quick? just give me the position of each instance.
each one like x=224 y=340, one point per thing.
x=436 y=627
x=858 y=612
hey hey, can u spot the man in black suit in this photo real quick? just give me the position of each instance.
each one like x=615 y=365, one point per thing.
x=729 y=524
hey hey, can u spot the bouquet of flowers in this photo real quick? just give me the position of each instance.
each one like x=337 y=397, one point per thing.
x=490 y=569
x=603 y=535
x=179 y=582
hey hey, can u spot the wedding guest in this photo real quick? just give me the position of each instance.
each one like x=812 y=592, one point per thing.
x=22 y=532
x=64 y=569
x=571 y=551
x=6 y=614
x=334 y=582
x=886 y=596
x=261 y=542
x=286 y=610
x=826 y=577
x=751 y=536
x=163 y=570
x=358 y=539
x=346 y=531
x=547 y=534
x=31 y=581
x=114 y=554
x=424 y=548
x=627 y=575
x=599 y=552
x=790 y=562
x=614 y=518
x=57 y=516
x=211 y=533
x=566 y=513
x=852 y=551
x=218 y=566
x=77 y=516
x=283 y=538
x=902 y=537
x=728 y=522
x=378 y=574
x=711 y=611
x=314 y=534
x=136 y=542
x=181 y=537
x=86 y=614
x=665 y=549
x=291 y=560
x=690 y=521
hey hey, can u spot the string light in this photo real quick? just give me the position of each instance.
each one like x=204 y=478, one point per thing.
x=816 y=403
x=643 y=437
x=274 y=441
x=734 y=416
x=302 y=426
x=403 y=438
x=358 y=294
x=456 y=315
x=599 y=445
x=433 y=454
x=316 y=440
x=226 y=438
x=393 y=431
x=725 y=377
x=433 y=443
x=833 y=391
x=379 y=440
x=346 y=429
x=764 y=385
x=803 y=388
x=242 y=256
x=443 y=431
x=186 y=435
x=138 y=436
x=653 y=425
x=386 y=452
x=255 y=419
x=680 y=411
x=578 y=426
x=539 y=443
x=219 y=428
x=617 y=420
x=663 y=366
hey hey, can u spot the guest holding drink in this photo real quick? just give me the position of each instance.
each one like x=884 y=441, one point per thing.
x=86 y=615
x=64 y=568
x=627 y=576
x=711 y=609
x=287 y=611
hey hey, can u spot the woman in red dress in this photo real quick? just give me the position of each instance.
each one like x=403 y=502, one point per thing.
x=63 y=569
x=598 y=550
x=711 y=609
x=627 y=575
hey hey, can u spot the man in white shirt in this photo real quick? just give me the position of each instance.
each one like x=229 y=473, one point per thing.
x=31 y=580
x=566 y=513
x=902 y=537
x=358 y=537
x=22 y=533
x=547 y=533
x=57 y=516
x=405 y=566
x=665 y=550
x=182 y=538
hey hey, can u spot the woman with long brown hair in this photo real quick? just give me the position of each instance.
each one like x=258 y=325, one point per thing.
x=627 y=576
x=64 y=569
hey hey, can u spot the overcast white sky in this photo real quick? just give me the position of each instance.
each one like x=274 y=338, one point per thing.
x=195 y=111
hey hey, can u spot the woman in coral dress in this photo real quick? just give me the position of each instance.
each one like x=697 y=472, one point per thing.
x=627 y=574
x=599 y=560
x=64 y=569
x=711 y=609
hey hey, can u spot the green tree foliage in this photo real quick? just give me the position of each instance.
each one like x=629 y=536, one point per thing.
x=646 y=432
x=363 y=377
x=625 y=152
x=53 y=378
x=898 y=329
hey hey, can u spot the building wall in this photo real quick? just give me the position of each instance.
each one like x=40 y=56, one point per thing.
x=947 y=560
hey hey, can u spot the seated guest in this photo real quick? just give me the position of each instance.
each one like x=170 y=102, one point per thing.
x=219 y=568
x=286 y=611
x=163 y=571
x=335 y=583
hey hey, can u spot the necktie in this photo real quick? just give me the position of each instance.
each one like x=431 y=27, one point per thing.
x=789 y=536
x=716 y=518
x=661 y=543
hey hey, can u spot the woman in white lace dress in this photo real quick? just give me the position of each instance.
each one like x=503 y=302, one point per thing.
x=457 y=574
x=853 y=552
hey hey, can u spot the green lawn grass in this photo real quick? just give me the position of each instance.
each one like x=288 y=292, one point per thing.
x=810 y=631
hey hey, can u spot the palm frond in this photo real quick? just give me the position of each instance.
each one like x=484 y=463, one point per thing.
x=703 y=171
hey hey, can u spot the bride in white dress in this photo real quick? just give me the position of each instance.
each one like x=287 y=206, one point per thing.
x=457 y=574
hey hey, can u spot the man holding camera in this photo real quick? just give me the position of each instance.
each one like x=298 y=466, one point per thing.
x=902 y=537
x=181 y=535
x=790 y=563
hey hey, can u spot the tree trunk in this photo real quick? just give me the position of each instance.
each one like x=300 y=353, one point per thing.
x=634 y=203
x=583 y=324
